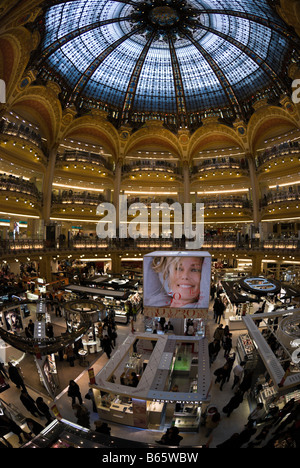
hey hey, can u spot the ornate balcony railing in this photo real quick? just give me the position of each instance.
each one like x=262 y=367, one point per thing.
x=230 y=202
x=220 y=164
x=80 y=244
x=151 y=165
x=18 y=186
x=21 y=131
x=289 y=148
x=85 y=157
x=279 y=197
x=85 y=198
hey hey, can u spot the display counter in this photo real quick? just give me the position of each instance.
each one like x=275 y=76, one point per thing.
x=143 y=405
x=91 y=346
x=276 y=357
x=236 y=323
x=245 y=347
x=188 y=420
x=118 y=296
x=120 y=316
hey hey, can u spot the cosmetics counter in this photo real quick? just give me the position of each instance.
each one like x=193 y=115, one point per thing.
x=277 y=381
x=172 y=359
x=246 y=296
x=118 y=302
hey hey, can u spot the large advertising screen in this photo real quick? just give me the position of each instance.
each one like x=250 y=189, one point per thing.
x=179 y=280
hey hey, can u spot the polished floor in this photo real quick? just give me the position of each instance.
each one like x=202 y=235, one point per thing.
x=226 y=428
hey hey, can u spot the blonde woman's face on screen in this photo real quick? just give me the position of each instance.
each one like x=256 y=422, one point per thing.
x=184 y=279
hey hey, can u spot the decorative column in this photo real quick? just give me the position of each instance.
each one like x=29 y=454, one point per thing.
x=115 y=263
x=45 y=268
x=186 y=182
x=183 y=139
x=117 y=188
x=49 y=229
x=278 y=269
x=47 y=184
x=257 y=264
x=255 y=190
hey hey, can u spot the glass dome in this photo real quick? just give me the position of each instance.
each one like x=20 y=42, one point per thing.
x=177 y=58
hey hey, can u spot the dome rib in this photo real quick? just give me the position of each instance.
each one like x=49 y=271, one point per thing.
x=135 y=76
x=256 y=19
x=233 y=100
x=75 y=33
x=82 y=82
x=250 y=53
x=178 y=83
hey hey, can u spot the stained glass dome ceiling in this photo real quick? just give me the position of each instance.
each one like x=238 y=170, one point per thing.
x=169 y=57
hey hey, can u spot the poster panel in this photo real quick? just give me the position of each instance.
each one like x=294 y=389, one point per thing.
x=176 y=284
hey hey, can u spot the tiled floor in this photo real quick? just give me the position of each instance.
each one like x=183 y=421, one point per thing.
x=226 y=428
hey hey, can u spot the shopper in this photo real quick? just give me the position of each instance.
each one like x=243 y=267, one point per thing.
x=31 y=327
x=90 y=396
x=257 y=414
x=15 y=376
x=74 y=392
x=293 y=416
x=107 y=346
x=238 y=372
x=27 y=333
x=258 y=321
x=112 y=334
x=245 y=435
x=222 y=374
x=218 y=308
x=34 y=427
x=171 y=437
x=219 y=333
x=213 y=350
x=102 y=427
x=213 y=290
x=44 y=409
x=83 y=415
x=233 y=403
x=227 y=345
x=212 y=422
x=11 y=426
x=70 y=355
x=49 y=330
x=246 y=382
x=29 y=404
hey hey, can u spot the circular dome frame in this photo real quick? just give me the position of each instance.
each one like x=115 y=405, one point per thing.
x=206 y=57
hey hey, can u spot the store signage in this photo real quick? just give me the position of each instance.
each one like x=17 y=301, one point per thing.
x=56 y=412
x=92 y=376
x=171 y=312
x=194 y=402
x=260 y=285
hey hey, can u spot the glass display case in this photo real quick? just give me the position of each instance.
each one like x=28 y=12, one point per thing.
x=245 y=347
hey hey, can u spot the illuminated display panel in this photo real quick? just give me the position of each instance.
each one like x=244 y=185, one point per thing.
x=178 y=280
